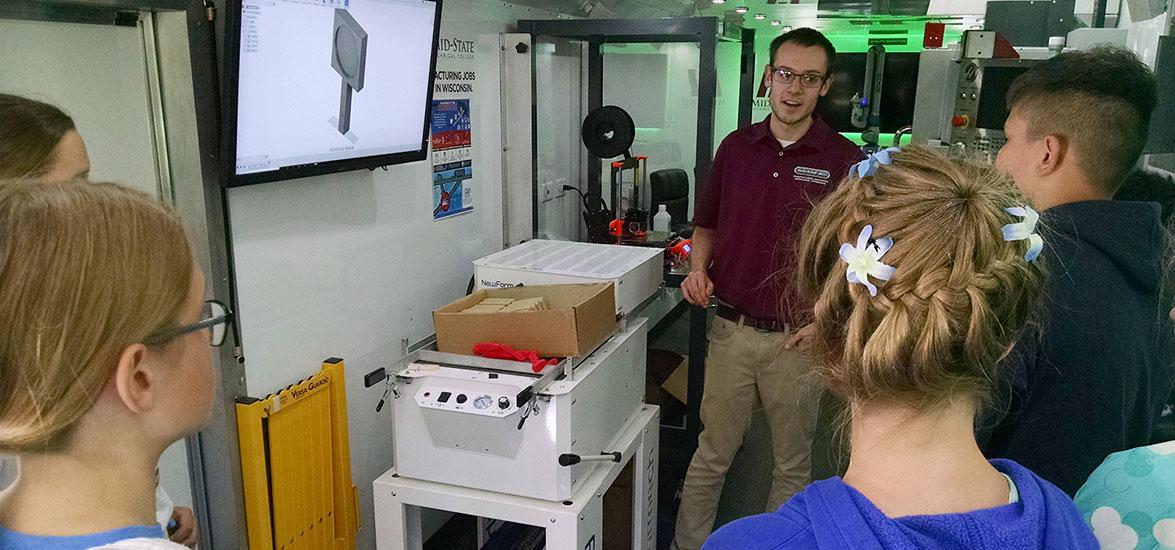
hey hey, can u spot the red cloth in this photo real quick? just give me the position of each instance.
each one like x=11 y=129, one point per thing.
x=491 y=350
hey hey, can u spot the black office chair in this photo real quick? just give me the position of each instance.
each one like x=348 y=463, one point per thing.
x=671 y=188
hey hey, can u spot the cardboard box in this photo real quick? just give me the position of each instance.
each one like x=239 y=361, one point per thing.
x=580 y=318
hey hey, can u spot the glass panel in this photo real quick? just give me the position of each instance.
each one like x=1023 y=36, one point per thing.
x=658 y=85
x=727 y=63
x=560 y=100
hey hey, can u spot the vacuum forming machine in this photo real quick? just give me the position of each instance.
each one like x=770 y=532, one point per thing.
x=498 y=426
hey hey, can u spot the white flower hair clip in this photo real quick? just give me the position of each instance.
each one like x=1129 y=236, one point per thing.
x=865 y=259
x=1025 y=229
x=868 y=167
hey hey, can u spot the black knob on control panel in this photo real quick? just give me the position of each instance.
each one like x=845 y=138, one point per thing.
x=503 y=402
x=461 y=398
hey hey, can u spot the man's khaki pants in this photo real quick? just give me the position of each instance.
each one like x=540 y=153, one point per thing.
x=747 y=369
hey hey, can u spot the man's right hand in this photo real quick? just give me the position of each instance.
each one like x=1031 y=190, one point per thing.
x=697 y=288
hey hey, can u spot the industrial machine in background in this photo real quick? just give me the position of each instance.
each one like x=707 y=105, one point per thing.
x=961 y=94
x=938 y=71
x=961 y=99
x=987 y=68
x=867 y=115
x=872 y=92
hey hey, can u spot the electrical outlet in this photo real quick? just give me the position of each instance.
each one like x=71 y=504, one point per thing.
x=547 y=192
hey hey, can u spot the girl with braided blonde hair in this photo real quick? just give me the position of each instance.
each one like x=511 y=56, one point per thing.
x=921 y=270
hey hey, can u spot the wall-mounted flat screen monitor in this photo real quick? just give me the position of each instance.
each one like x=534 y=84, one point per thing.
x=898 y=88
x=321 y=86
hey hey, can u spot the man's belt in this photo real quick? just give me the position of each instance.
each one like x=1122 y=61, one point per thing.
x=765 y=325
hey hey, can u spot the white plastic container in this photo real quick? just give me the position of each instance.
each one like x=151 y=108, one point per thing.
x=636 y=271
x=662 y=220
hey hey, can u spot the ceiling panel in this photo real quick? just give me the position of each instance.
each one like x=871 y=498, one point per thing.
x=830 y=16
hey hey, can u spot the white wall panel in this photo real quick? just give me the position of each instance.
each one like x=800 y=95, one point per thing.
x=349 y=264
x=95 y=74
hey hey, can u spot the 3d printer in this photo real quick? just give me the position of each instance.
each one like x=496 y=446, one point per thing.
x=608 y=132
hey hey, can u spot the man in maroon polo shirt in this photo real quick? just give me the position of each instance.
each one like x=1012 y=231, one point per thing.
x=764 y=181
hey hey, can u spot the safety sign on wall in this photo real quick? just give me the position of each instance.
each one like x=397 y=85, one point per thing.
x=452 y=158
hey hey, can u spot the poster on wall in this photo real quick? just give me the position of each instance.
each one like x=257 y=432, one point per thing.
x=452 y=158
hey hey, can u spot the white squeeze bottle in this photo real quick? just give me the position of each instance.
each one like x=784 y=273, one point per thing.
x=662 y=219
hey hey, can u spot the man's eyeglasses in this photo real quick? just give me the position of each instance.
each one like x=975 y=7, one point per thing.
x=785 y=76
x=216 y=317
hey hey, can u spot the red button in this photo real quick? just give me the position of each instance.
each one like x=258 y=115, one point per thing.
x=960 y=121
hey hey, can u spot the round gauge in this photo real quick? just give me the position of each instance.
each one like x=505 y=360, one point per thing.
x=483 y=402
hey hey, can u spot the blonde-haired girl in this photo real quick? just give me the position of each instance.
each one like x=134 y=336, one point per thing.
x=104 y=360
x=921 y=269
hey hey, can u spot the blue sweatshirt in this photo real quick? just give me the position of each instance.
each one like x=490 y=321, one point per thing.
x=830 y=514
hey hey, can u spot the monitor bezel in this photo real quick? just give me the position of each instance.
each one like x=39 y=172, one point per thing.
x=230 y=97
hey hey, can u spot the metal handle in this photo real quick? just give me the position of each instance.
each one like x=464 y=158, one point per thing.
x=570 y=459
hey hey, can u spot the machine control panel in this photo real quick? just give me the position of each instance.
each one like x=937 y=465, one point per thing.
x=967 y=133
x=980 y=106
x=470 y=402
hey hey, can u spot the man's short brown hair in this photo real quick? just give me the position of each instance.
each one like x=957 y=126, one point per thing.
x=1097 y=101
x=807 y=38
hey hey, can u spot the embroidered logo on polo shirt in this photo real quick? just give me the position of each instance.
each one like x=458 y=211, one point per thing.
x=812 y=175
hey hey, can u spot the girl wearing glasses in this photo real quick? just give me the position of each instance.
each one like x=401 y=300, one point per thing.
x=104 y=361
x=38 y=140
